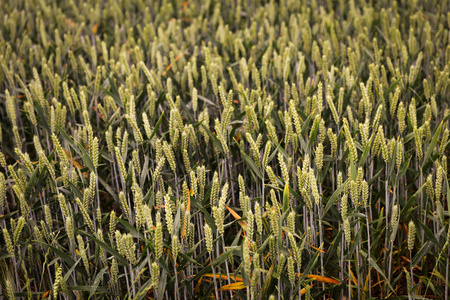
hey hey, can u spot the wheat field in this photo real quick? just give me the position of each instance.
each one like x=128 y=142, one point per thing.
x=224 y=149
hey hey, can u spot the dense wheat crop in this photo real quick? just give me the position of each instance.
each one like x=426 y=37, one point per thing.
x=224 y=149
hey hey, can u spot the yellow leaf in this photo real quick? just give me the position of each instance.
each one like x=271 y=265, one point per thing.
x=436 y=272
x=220 y=276
x=303 y=290
x=94 y=29
x=355 y=281
x=233 y=286
x=188 y=209
x=366 y=284
x=45 y=294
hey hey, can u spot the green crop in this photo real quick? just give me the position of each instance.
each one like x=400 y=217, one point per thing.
x=227 y=149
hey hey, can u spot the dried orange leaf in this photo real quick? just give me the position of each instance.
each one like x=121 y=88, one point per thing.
x=184 y=5
x=188 y=208
x=197 y=286
x=75 y=163
x=316 y=248
x=323 y=279
x=237 y=217
x=170 y=65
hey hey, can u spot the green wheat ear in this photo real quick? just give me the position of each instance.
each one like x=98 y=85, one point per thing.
x=8 y=242
x=155 y=277
x=2 y=191
x=411 y=235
